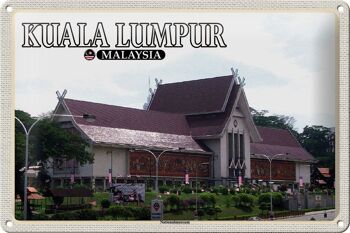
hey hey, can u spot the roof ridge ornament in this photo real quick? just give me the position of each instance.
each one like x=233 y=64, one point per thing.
x=59 y=96
x=240 y=81
x=151 y=92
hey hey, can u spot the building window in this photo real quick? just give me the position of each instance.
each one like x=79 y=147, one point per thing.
x=241 y=147
x=230 y=154
x=230 y=147
x=236 y=153
x=236 y=147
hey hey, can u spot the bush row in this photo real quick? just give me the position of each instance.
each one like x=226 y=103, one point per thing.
x=173 y=201
x=112 y=213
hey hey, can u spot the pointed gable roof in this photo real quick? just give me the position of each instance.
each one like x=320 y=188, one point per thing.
x=193 y=97
x=207 y=104
x=213 y=123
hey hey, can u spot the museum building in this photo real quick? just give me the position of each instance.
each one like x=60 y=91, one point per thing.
x=203 y=128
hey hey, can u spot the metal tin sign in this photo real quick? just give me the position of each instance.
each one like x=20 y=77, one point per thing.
x=157 y=209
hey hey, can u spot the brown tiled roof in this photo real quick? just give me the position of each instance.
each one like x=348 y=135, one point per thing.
x=279 y=141
x=133 y=127
x=196 y=96
x=214 y=123
x=274 y=136
x=128 y=118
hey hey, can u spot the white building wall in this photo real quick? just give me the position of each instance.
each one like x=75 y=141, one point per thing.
x=241 y=128
x=224 y=155
x=102 y=162
x=302 y=169
x=85 y=170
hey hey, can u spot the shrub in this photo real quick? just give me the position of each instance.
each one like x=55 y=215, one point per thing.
x=105 y=218
x=88 y=215
x=208 y=199
x=40 y=217
x=227 y=202
x=264 y=197
x=232 y=191
x=263 y=206
x=185 y=204
x=115 y=211
x=105 y=203
x=212 y=200
x=173 y=201
x=235 y=200
x=65 y=216
x=205 y=198
x=122 y=211
x=163 y=189
x=129 y=211
x=142 y=213
x=192 y=202
x=187 y=189
x=200 y=202
x=246 y=199
x=224 y=191
x=165 y=204
x=210 y=211
x=199 y=189
x=200 y=213
x=58 y=200
x=215 y=190
x=173 y=190
x=218 y=210
x=277 y=198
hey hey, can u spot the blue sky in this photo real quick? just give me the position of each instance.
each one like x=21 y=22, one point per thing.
x=288 y=61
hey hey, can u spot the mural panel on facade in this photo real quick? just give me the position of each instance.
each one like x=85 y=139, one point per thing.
x=143 y=163
x=281 y=170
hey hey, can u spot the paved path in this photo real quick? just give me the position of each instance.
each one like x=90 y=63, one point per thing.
x=317 y=215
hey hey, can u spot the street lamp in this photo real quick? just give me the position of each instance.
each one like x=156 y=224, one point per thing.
x=157 y=161
x=270 y=158
x=88 y=117
x=206 y=163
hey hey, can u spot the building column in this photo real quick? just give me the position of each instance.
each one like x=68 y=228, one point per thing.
x=93 y=186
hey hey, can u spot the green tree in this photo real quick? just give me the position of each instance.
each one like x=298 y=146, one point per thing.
x=319 y=141
x=261 y=118
x=47 y=140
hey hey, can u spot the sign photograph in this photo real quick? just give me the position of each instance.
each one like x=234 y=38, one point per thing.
x=166 y=116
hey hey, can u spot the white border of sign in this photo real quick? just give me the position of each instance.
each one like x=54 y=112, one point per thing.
x=10 y=224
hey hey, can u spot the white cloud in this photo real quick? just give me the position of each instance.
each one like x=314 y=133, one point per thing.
x=288 y=61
